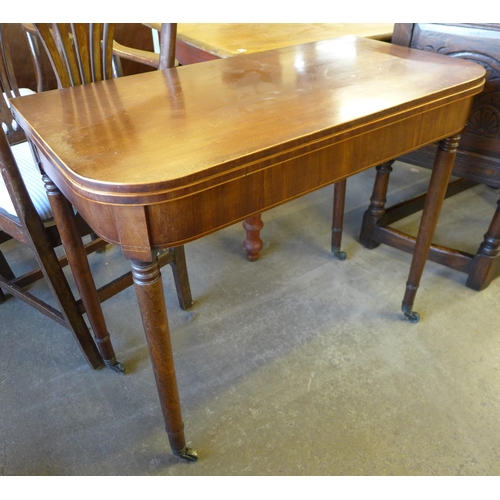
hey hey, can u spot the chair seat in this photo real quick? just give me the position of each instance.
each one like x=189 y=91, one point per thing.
x=33 y=181
x=29 y=172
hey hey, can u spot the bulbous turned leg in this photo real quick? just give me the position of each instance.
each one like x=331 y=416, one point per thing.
x=443 y=164
x=338 y=218
x=149 y=291
x=79 y=264
x=252 y=243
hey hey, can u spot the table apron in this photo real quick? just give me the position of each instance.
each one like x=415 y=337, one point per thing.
x=139 y=229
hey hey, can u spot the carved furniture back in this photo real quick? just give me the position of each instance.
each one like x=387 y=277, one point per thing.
x=478 y=157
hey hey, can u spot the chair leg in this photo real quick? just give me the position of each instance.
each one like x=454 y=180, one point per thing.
x=338 y=218
x=69 y=314
x=79 y=264
x=486 y=263
x=181 y=278
x=54 y=275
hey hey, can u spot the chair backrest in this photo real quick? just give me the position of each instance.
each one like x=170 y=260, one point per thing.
x=78 y=52
x=8 y=89
x=168 y=38
x=21 y=183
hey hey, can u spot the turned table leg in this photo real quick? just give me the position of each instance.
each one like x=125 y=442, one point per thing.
x=438 y=184
x=149 y=291
x=79 y=264
x=252 y=243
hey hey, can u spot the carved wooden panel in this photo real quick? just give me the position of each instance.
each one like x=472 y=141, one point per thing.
x=478 y=156
x=481 y=44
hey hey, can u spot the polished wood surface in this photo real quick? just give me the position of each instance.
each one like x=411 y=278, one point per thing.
x=208 y=145
x=198 y=42
x=205 y=42
x=249 y=96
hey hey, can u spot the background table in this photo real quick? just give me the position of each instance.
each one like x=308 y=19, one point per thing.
x=206 y=41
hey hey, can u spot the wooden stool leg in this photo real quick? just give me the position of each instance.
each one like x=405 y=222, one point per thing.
x=376 y=211
x=339 y=190
x=486 y=263
x=149 y=291
x=181 y=278
x=252 y=243
x=438 y=184
x=77 y=259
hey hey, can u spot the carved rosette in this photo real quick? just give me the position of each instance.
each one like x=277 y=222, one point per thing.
x=484 y=119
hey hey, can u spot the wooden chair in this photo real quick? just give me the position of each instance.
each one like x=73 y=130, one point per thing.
x=26 y=215
x=478 y=155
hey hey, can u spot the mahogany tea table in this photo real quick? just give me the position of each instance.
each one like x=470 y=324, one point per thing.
x=159 y=159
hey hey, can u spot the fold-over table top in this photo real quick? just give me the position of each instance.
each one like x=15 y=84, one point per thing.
x=166 y=129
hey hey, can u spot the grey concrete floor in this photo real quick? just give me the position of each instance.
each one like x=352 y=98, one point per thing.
x=297 y=364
